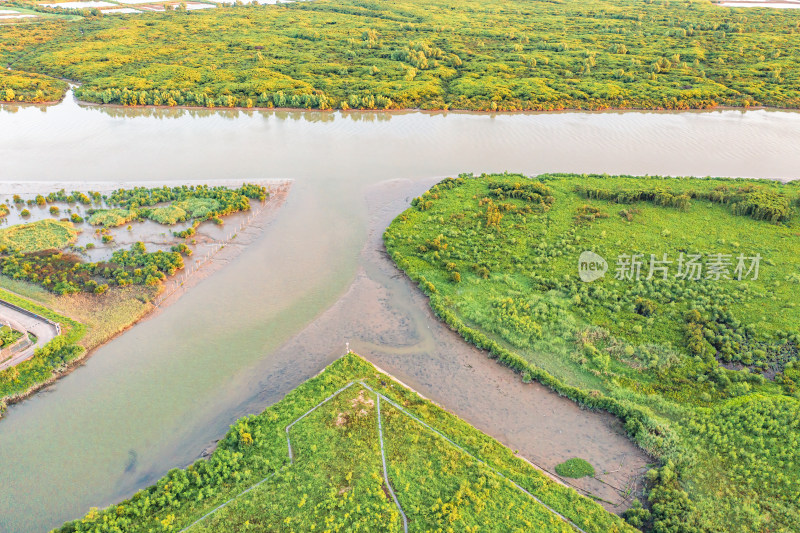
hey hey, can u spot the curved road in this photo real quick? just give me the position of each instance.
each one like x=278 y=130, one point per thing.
x=44 y=330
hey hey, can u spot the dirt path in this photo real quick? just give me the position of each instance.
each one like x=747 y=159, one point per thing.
x=44 y=330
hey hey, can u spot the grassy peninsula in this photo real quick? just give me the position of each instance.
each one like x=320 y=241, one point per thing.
x=445 y=474
x=686 y=328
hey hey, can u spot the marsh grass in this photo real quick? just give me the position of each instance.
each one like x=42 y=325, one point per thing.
x=169 y=215
x=111 y=218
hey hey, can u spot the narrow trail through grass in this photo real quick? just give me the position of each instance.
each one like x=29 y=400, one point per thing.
x=379 y=397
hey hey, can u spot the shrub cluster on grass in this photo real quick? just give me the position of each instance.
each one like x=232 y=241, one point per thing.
x=65 y=273
x=575 y=468
x=40 y=235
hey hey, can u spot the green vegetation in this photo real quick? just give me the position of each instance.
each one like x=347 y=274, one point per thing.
x=39 y=261
x=110 y=218
x=49 y=360
x=575 y=468
x=35 y=252
x=8 y=336
x=193 y=208
x=44 y=234
x=29 y=87
x=198 y=207
x=678 y=339
x=336 y=481
x=65 y=273
x=169 y=215
x=197 y=200
x=480 y=54
x=185 y=202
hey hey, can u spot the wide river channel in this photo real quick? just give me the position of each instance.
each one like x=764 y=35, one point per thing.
x=314 y=277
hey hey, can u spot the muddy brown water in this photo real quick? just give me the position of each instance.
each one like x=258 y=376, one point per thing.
x=314 y=278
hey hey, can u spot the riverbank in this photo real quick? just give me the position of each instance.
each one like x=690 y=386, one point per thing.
x=383 y=58
x=395 y=111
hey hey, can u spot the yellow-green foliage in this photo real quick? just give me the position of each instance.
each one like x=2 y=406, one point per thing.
x=29 y=87
x=175 y=212
x=40 y=235
x=112 y=217
x=171 y=214
x=8 y=336
x=198 y=207
x=478 y=54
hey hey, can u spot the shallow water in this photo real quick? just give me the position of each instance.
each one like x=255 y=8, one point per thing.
x=156 y=396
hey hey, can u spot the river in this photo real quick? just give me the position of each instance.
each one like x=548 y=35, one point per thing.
x=314 y=278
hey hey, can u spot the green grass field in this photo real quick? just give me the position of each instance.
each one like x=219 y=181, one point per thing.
x=336 y=480
x=433 y=54
x=44 y=234
x=703 y=371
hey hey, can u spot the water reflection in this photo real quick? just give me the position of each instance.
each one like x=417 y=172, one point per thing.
x=314 y=116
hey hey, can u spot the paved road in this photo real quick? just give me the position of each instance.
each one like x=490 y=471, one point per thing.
x=43 y=330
